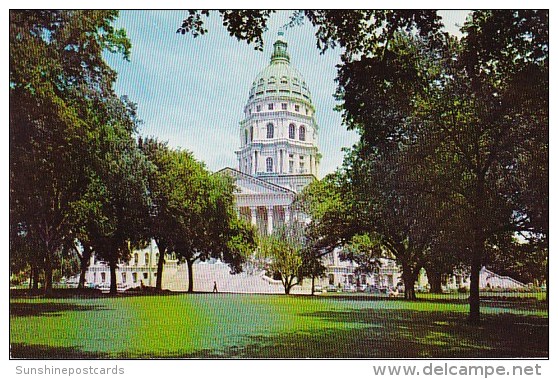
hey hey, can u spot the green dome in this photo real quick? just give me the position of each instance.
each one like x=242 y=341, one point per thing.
x=279 y=78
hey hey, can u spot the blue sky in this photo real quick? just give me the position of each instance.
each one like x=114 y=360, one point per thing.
x=191 y=91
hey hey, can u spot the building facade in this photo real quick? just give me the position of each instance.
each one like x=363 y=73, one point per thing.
x=278 y=157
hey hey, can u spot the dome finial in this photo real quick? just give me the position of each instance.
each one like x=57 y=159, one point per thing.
x=280 y=49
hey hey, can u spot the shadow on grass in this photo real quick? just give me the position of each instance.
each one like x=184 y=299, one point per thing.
x=49 y=309
x=346 y=333
x=22 y=350
x=519 y=303
x=399 y=334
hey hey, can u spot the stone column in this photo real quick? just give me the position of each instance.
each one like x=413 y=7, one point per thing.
x=253 y=215
x=255 y=163
x=269 y=220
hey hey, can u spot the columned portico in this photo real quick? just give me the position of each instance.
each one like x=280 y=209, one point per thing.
x=253 y=214
x=287 y=215
x=269 y=220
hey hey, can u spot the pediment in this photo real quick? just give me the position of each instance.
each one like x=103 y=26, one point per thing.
x=250 y=185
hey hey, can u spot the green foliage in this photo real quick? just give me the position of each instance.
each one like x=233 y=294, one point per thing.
x=283 y=250
x=365 y=251
x=245 y=25
x=61 y=96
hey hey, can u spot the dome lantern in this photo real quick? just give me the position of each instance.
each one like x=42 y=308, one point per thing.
x=280 y=50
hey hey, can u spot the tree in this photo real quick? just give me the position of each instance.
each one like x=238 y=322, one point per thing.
x=59 y=84
x=124 y=204
x=486 y=124
x=207 y=224
x=162 y=223
x=475 y=109
x=284 y=251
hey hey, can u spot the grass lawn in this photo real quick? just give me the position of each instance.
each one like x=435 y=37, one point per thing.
x=251 y=326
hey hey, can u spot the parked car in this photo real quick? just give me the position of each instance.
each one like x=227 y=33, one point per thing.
x=333 y=288
x=105 y=287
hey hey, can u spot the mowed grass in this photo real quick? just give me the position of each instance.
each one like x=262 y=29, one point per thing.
x=273 y=326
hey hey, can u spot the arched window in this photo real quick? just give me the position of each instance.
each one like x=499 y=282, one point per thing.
x=136 y=258
x=292 y=131
x=146 y=259
x=284 y=80
x=302 y=133
x=269 y=164
x=270 y=130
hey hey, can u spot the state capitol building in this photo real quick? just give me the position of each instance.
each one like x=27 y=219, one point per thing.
x=278 y=156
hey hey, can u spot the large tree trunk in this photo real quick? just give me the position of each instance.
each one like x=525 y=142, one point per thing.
x=36 y=277
x=113 y=286
x=409 y=282
x=287 y=284
x=162 y=247
x=48 y=273
x=190 y=264
x=435 y=281
x=474 y=295
x=84 y=260
x=31 y=278
x=478 y=253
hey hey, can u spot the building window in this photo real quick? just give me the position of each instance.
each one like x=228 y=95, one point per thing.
x=245 y=136
x=136 y=259
x=284 y=80
x=145 y=275
x=103 y=277
x=258 y=108
x=291 y=131
x=302 y=133
x=123 y=277
x=302 y=168
x=146 y=259
x=251 y=133
x=284 y=106
x=270 y=130
x=291 y=167
x=269 y=164
x=270 y=106
x=135 y=277
x=297 y=108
